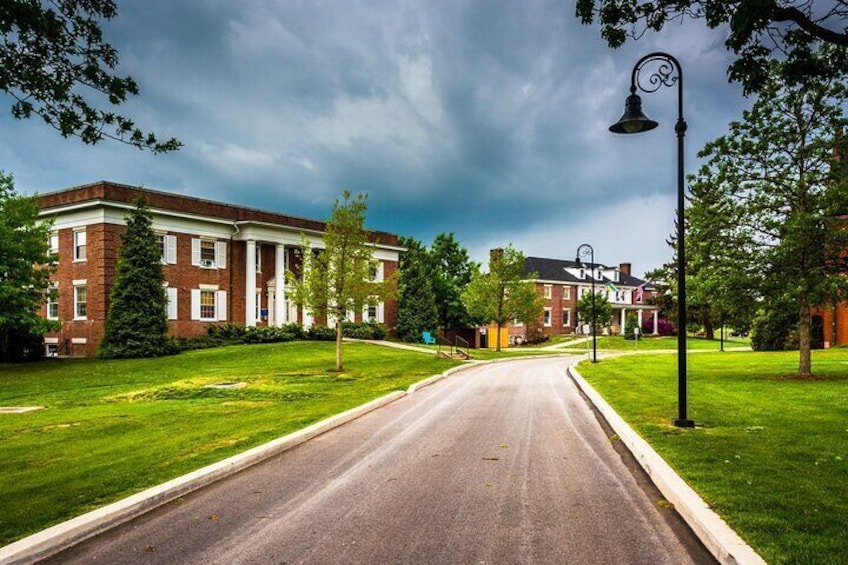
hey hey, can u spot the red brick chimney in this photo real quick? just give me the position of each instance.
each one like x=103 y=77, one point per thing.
x=624 y=268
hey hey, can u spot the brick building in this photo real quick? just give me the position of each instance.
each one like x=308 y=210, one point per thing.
x=222 y=263
x=562 y=283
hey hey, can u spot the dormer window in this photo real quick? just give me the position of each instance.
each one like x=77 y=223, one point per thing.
x=582 y=273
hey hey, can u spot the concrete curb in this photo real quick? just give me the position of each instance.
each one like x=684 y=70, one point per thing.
x=724 y=543
x=48 y=542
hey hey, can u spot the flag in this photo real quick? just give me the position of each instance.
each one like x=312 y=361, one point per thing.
x=640 y=291
x=611 y=286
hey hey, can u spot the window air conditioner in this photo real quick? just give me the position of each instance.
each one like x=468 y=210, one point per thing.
x=207 y=263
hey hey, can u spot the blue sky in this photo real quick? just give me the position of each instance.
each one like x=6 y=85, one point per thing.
x=488 y=119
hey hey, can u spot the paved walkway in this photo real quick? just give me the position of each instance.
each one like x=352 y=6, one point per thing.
x=503 y=463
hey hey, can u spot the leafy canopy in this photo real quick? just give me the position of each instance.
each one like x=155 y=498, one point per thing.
x=759 y=31
x=783 y=172
x=25 y=265
x=505 y=293
x=417 y=310
x=340 y=278
x=53 y=58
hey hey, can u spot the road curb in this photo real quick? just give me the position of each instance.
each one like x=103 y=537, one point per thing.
x=719 y=538
x=71 y=532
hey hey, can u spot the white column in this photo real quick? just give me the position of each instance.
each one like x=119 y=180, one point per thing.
x=250 y=284
x=280 y=286
x=623 y=319
x=639 y=318
x=656 y=321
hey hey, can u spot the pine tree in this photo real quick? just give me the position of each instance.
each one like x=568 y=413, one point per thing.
x=137 y=322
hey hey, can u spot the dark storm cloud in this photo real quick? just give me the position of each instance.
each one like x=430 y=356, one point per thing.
x=483 y=118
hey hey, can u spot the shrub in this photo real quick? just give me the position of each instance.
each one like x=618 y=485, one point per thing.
x=321 y=333
x=363 y=330
x=664 y=327
x=630 y=323
x=228 y=331
x=535 y=336
x=267 y=334
x=21 y=346
x=775 y=329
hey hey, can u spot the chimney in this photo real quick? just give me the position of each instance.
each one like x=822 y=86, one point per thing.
x=624 y=268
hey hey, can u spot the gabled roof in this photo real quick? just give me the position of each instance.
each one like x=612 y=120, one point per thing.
x=555 y=270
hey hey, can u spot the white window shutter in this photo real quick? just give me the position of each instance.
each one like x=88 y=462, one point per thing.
x=380 y=271
x=172 y=303
x=381 y=312
x=195 y=254
x=221 y=305
x=171 y=249
x=195 y=304
x=221 y=254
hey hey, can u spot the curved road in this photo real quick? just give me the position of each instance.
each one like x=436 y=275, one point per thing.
x=503 y=463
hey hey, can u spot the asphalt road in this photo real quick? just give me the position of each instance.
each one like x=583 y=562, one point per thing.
x=504 y=463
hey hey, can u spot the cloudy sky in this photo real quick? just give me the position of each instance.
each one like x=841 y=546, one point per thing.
x=484 y=118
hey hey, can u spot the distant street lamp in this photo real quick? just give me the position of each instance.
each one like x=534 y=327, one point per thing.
x=634 y=121
x=583 y=250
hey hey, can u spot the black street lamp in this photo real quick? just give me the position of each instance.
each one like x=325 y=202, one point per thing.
x=634 y=121
x=583 y=250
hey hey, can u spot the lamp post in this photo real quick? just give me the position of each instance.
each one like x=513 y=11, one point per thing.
x=583 y=250
x=634 y=121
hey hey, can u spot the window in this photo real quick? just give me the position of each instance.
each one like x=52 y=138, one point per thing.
x=207 y=253
x=582 y=273
x=53 y=243
x=80 y=301
x=207 y=304
x=167 y=248
x=566 y=317
x=549 y=291
x=566 y=292
x=517 y=323
x=79 y=245
x=547 y=318
x=52 y=302
x=258 y=266
x=52 y=349
x=371 y=313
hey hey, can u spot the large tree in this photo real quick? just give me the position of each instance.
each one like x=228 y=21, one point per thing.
x=417 y=310
x=339 y=278
x=450 y=271
x=503 y=294
x=56 y=65
x=781 y=165
x=759 y=31
x=137 y=321
x=25 y=269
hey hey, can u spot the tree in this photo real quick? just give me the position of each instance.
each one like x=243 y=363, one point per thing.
x=504 y=293
x=137 y=320
x=25 y=271
x=760 y=31
x=603 y=308
x=721 y=269
x=450 y=270
x=340 y=278
x=53 y=58
x=417 y=310
x=781 y=165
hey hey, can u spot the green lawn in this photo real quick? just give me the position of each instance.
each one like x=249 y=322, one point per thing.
x=112 y=428
x=771 y=456
x=617 y=343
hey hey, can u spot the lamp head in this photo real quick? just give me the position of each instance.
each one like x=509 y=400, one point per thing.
x=633 y=120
